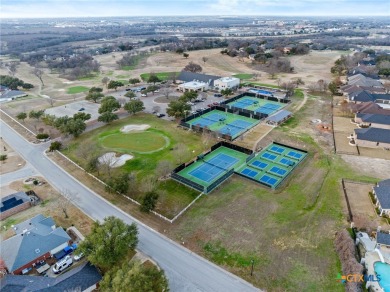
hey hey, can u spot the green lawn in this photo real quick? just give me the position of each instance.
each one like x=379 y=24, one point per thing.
x=173 y=196
x=137 y=60
x=243 y=76
x=161 y=75
x=77 y=89
x=141 y=142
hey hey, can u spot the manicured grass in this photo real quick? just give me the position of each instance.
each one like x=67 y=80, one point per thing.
x=161 y=75
x=173 y=196
x=142 y=142
x=137 y=60
x=77 y=89
x=243 y=76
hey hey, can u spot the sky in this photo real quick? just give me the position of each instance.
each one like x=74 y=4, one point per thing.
x=105 y=8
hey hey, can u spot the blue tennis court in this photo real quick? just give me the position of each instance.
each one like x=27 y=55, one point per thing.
x=269 y=156
x=268 y=180
x=259 y=164
x=214 y=167
x=277 y=149
x=250 y=173
x=214 y=117
x=287 y=162
x=203 y=122
x=278 y=171
x=231 y=131
x=294 y=154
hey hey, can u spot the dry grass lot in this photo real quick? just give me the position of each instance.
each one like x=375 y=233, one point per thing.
x=342 y=129
x=49 y=206
x=363 y=211
x=13 y=161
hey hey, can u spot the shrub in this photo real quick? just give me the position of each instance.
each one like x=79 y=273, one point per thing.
x=42 y=136
x=3 y=157
x=149 y=202
x=55 y=146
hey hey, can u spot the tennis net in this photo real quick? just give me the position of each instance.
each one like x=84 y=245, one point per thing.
x=238 y=127
x=213 y=120
x=215 y=165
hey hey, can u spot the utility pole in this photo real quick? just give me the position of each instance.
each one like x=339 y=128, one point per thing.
x=252 y=261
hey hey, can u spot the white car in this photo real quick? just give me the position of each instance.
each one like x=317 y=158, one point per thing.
x=62 y=264
x=78 y=257
x=143 y=95
x=157 y=91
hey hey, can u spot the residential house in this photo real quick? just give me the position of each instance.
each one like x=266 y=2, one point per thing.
x=371 y=137
x=369 y=107
x=82 y=278
x=372 y=120
x=365 y=96
x=381 y=192
x=14 y=203
x=382 y=239
x=35 y=239
x=350 y=89
x=361 y=80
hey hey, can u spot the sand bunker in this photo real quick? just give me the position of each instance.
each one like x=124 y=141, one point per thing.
x=129 y=128
x=112 y=160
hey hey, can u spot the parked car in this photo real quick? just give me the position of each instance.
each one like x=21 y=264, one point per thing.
x=156 y=91
x=210 y=105
x=78 y=257
x=82 y=109
x=67 y=250
x=218 y=95
x=190 y=103
x=62 y=264
x=193 y=112
x=143 y=95
x=215 y=103
x=199 y=110
x=160 y=115
x=128 y=89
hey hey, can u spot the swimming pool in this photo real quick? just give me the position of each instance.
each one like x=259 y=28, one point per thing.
x=382 y=271
x=260 y=91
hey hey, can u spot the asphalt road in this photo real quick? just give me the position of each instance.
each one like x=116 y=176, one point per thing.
x=185 y=270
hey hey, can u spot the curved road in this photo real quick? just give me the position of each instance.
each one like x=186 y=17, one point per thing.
x=185 y=270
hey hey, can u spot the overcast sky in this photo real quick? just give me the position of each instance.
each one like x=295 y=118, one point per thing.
x=94 y=8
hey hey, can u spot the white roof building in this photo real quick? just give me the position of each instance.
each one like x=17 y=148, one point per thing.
x=227 y=82
x=193 y=86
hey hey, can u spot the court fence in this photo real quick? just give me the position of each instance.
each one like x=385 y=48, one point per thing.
x=188 y=182
x=219 y=181
x=288 y=146
x=231 y=146
x=250 y=157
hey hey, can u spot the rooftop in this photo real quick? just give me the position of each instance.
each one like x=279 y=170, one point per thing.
x=373 y=135
x=279 y=116
x=369 y=108
x=374 y=118
x=189 y=76
x=194 y=84
x=383 y=238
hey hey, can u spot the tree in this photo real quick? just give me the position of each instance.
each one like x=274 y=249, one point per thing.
x=56 y=145
x=105 y=80
x=74 y=127
x=134 y=81
x=66 y=200
x=179 y=51
x=113 y=84
x=226 y=92
x=186 y=55
x=166 y=91
x=38 y=73
x=107 y=117
x=192 y=67
x=181 y=150
x=332 y=87
x=136 y=277
x=94 y=96
x=134 y=106
x=21 y=116
x=82 y=116
x=119 y=184
x=188 y=96
x=149 y=202
x=109 y=104
x=27 y=86
x=164 y=168
x=153 y=78
x=205 y=59
x=172 y=76
x=109 y=242
x=3 y=157
x=36 y=114
x=12 y=67
x=130 y=94
x=178 y=109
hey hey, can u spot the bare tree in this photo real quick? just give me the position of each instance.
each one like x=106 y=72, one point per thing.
x=12 y=67
x=164 y=169
x=172 y=77
x=207 y=139
x=181 y=152
x=148 y=184
x=121 y=101
x=67 y=198
x=203 y=95
x=192 y=67
x=166 y=91
x=38 y=73
x=50 y=101
x=205 y=59
x=105 y=163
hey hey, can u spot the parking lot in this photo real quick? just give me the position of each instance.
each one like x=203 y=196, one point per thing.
x=72 y=108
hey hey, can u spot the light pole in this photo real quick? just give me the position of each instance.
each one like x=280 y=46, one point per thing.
x=252 y=261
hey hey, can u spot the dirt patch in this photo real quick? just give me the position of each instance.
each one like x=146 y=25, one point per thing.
x=374 y=167
x=130 y=128
x=13 y=162
x=363 y=210
x=111 y=159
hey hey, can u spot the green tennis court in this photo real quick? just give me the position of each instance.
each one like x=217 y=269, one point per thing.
x=214 y=165
x=272 y=165
x=224 y=123
x=257 y=105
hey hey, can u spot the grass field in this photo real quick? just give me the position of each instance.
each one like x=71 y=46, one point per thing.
x=183 y=145
x=137 y=60
x=243 y=76
x=77 y=89
x=260 y=84
x=142 y=142
x=161 y=75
